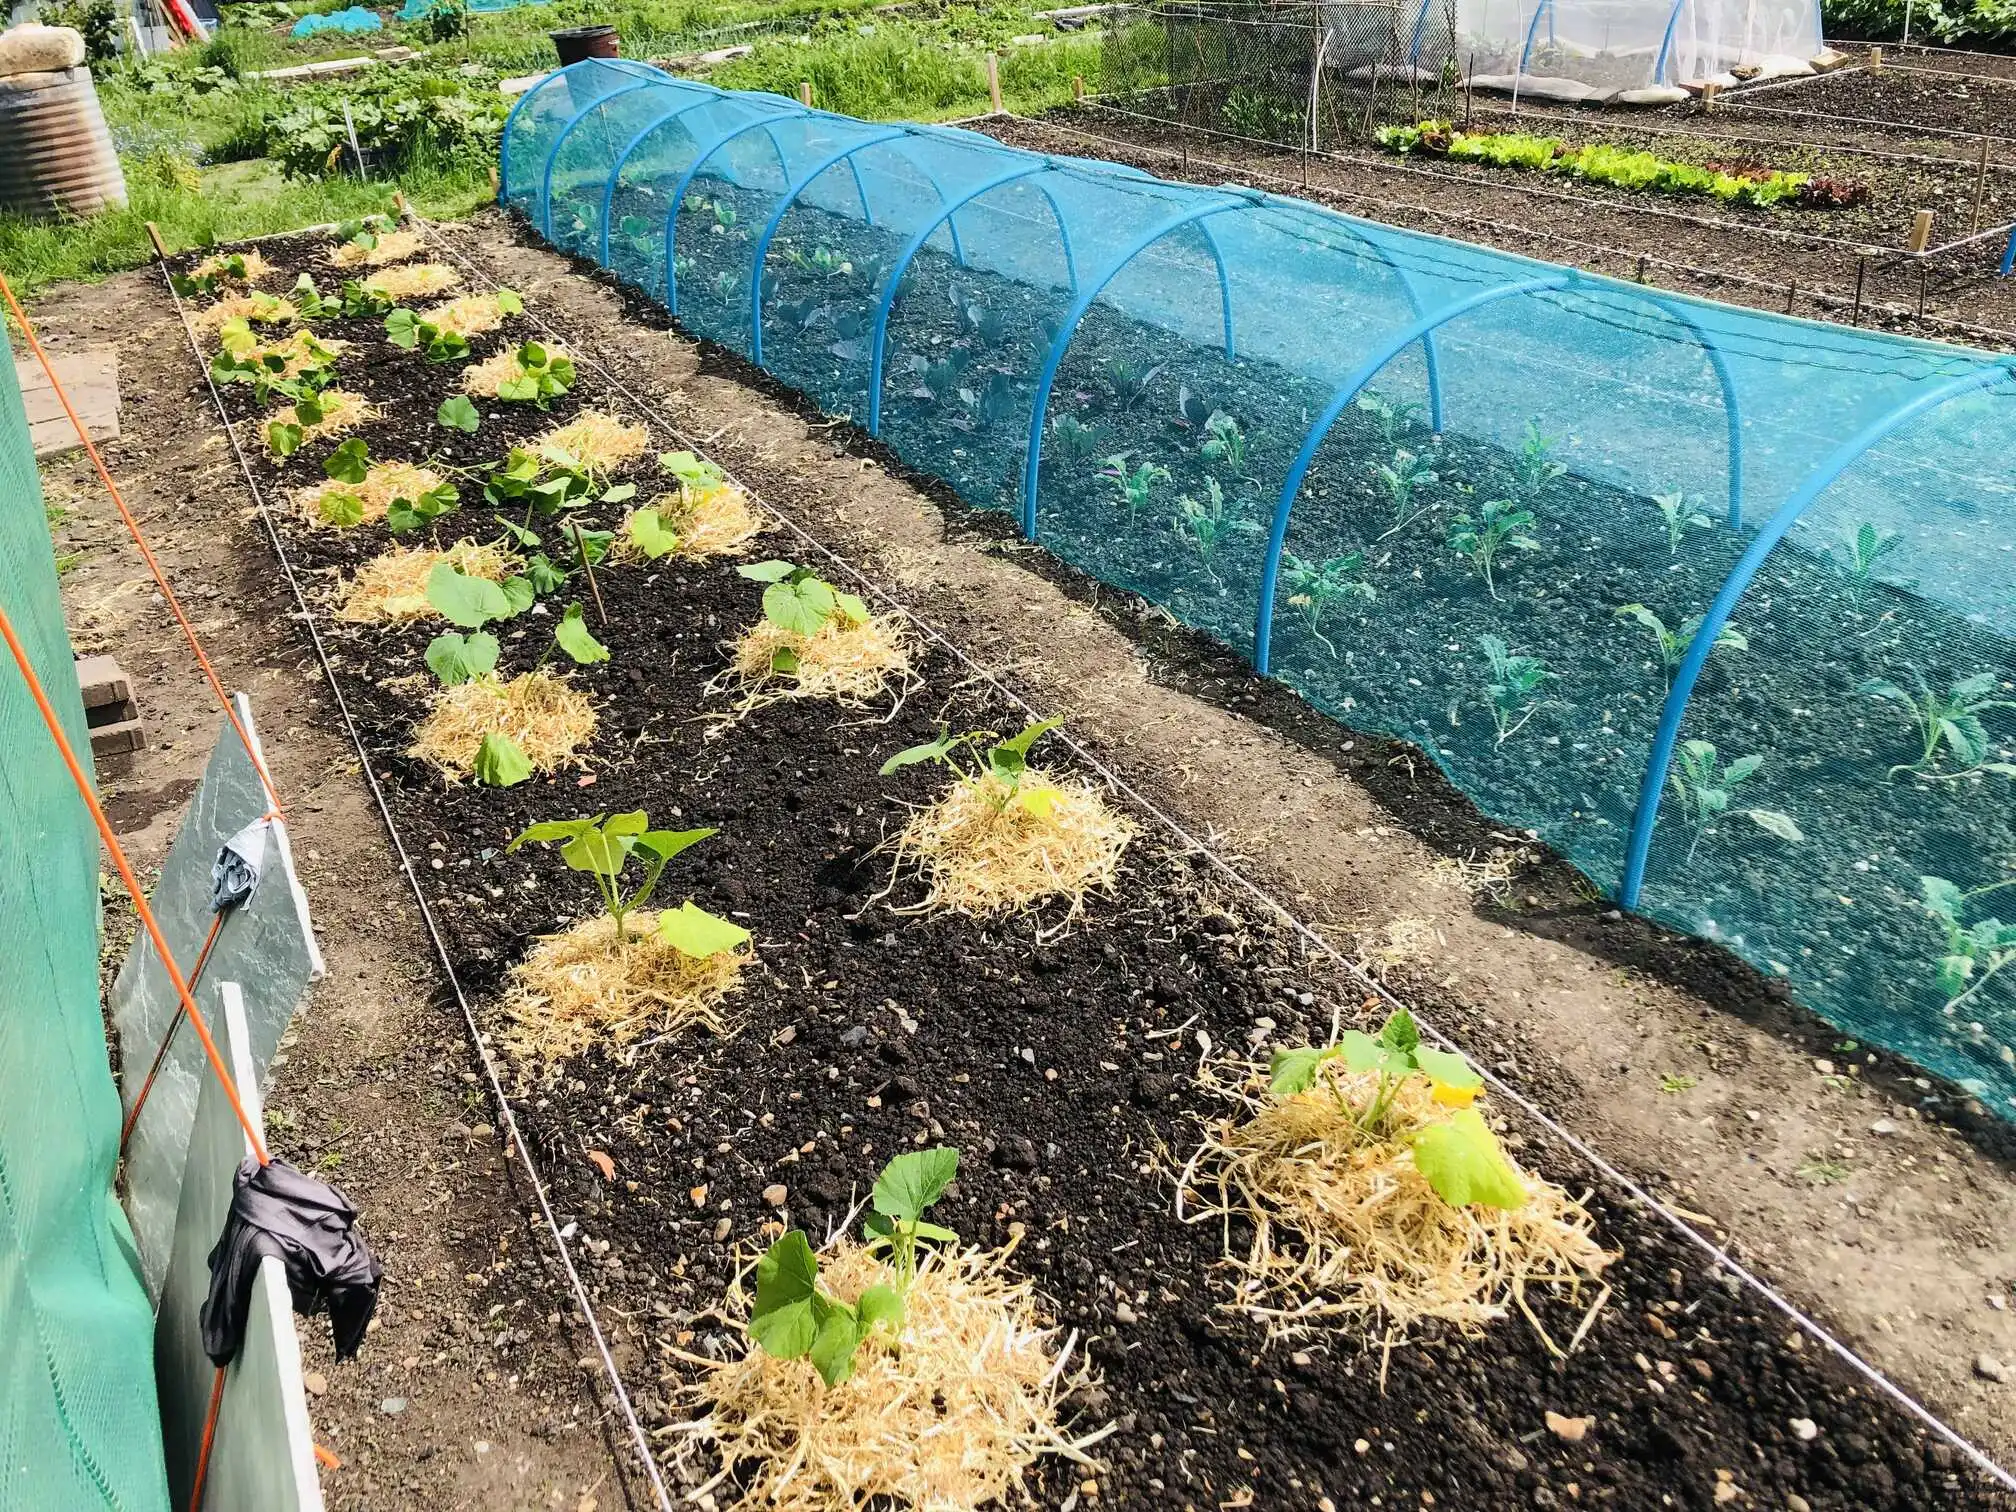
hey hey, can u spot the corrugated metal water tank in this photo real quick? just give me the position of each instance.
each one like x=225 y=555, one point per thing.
x=56 y=156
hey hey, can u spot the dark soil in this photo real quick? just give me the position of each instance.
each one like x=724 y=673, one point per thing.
x=1908 y=100
x=867 y=1031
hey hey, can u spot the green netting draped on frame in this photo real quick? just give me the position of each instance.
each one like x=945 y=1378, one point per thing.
x=1716 y=603
x=78 y=1423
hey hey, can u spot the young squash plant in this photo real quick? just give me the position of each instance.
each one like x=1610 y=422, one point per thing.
x=540 y=376
x=1457 y=1155
x=604 y=847
x=793 y=1319
x=802 y=603
x=1003 y=767
x=410 y=331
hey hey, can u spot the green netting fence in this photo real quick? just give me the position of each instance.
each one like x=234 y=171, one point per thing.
x=78 y=1423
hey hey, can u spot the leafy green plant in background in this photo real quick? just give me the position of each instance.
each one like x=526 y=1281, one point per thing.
x=404 y=118
x=1136 y=484
x=1948 y=722
x=1974 y=953
x=604 y=847
x=1511 y=686
x=793 y=1319
x=1207 y=526
x=1126 y=382
x=1479 y=539
x=1071 y=440
x=1402 y=481
x=1702 y=783
x=1678 y=518
x=1006 y=762
x=1864 y=547
x=97 y=21
x=1458 y=1155
x=1672 y=644
x=1313 y=587
x=1394 y=417
x=1536 y=467
x=1261 y=115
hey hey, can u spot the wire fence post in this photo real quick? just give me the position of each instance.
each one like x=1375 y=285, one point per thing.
x=1861 y=271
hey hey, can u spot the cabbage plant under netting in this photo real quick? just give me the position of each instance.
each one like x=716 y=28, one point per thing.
x=1718 y=604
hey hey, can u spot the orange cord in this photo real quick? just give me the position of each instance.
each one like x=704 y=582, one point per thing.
x=168 y=1037
x=209 y=1438
x=125 y=868
x=133 y=529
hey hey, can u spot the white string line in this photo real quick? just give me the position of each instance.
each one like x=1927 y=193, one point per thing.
x=637 y=1434
x=1323 y=947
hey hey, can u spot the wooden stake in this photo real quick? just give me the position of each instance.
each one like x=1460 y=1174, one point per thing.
x=1469 y=92
x=1861 y=269
x=1980 y=188
x=495 y=182
x=1708 y=93
x=994 y=83
x=1641 y=269
x=154 y=235
x=805 y=93
x=1875 y=60
x=1921 y=230
x=1791 y=293
x=1921 y=290
x=1078 y=91
x=399 y=204
x=588 y=567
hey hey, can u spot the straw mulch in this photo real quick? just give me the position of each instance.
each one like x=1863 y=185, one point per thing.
x=341 y=411
x=392 y=588
x=471 y=315
x=260 y=311
x=383 y=482
x=717 y=523
x=545 y=716
x=948 y=1420
x=979 y=854
x=851 y=664
x=577 y=990
x=299 y=351
x=485 y=378
x=256 y=269
x=392 y=247
x=596 y=442
x=413 y=280
x=1347 y=1234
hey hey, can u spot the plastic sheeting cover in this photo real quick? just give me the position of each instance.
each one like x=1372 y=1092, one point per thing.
x=1714 y=537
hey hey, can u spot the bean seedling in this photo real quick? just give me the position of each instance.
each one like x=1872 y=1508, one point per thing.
x=1402 y=479
x=1703 y=784
x=1949 y=721
x=604 y=846
x=1007 y=763
x=1673 y=644
x=1137 y=484
x=793 y=1319
x=1314 y=586
x=1679 y=519
x=1974 y=952
x=1510 y=686
x=1457 y=1155
x=1498 y=523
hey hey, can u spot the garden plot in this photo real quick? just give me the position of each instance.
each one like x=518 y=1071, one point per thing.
x=1059 y=1055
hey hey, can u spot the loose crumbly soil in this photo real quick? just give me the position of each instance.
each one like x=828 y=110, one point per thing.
x=376 y=1087
x=1911 y=99
x=1766 y=259
x=1061 y=1063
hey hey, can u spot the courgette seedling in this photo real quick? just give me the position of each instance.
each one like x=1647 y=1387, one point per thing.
x=692 y=472
x=540 y=377
x=473 y=602
x=229 y=269
x=410 y=331
x=457 y=413
x=604 y=847
x=801 y=603
x=1673 y=644
x=285 y=436
x=362 y=301
x=793 y=1319
x=1457 y=1155
x=1702 y=783
x=1974 y=952
x=349 y=463
x=1005 y=765
x=1949 y=721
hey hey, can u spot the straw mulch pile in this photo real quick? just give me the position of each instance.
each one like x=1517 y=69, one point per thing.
x=851 y=664
x=471 y=315
x=596 y=442
x=383 y=482
x=392 y=588
x=716 y=523
x=392 y=247
x=545 y=716
x=413 y=280
x=981 y=854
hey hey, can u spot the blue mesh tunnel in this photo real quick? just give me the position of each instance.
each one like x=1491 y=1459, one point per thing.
x=1718 y=604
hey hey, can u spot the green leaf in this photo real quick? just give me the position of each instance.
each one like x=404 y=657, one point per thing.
x=462 y=658
x=470 y=602
x=665 y=844
x=349 y=462
x=834 y=1346
x=518 y=594
x=1774 y=823
x=1020 y=744
x=553 y=829
x=651 y=534
x=697 y=933
x=573 y=636
x=1446 y=1069
x=931 y=750
x=508 y=302
x=800 y=607
x=1400 y=1032
x=519 y=388
x=499 y=762
x=402 y=329
x=911 y=1183
x=1740 y=769
x=1952 y=972
x=772 y=571
x=1461 y=1160
x=621 y=493
x=1293 y=1071
x=850 y=605
x=341 y=509
x=284 y=437
x=787 y=1279
x=880 y=1303
x=458 y=413
x=934 y=1232
x=544 y=577
x=783 y=660
x=1942 y=897
x=1363 y=1053
x=518 y=533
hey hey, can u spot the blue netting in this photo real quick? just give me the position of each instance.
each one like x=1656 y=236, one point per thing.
x=1741 y=529
x=355 y=19
x=416 y=10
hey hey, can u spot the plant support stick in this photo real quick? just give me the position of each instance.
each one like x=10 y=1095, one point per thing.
x=588 y=567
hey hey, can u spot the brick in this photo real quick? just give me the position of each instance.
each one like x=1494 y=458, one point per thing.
x=101 y=681
x=117 y=739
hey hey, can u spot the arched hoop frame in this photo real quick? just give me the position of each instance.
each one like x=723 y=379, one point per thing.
x=1039 y=408
x=561 y=80
x=1639 y=848
x=707 y=96
x=545 y=218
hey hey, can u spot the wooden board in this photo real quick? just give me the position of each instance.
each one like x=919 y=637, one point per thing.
x=91 y=379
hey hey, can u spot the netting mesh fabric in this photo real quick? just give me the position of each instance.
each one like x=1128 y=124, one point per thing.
x=1684 y=589
x=78 y=1421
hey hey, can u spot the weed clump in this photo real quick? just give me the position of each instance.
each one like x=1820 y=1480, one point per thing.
x=950 y=1418
x=541 y=714
x=413 y=281
x=392 y=588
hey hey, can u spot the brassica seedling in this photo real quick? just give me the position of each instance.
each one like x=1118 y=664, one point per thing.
x=1974 y=952
x=1225 y=442
x=1673 y=644
x=992 y=405
x=1510 y=686
x=1129 y=384
x=939 y=381
x=1402 y=479
x=1393 y=417
x=1136 y=484
x=801 y=603
x=1536 y=466
x=727 y=288
x=1865 y=548
x=1458 y=1155
x=1679 y=518
x=605 y=845
x=1949 y=721
x=1703 y=784
x=793 y=1319
x=1206 y=526
x=404 y=328
x=1498 y=523
x=724 y=218
x=1314 y=586
x=1073 y=440
x=823 y=261
x=1006 y=764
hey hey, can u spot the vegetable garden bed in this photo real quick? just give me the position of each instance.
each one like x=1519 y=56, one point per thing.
x=1059 y=1055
